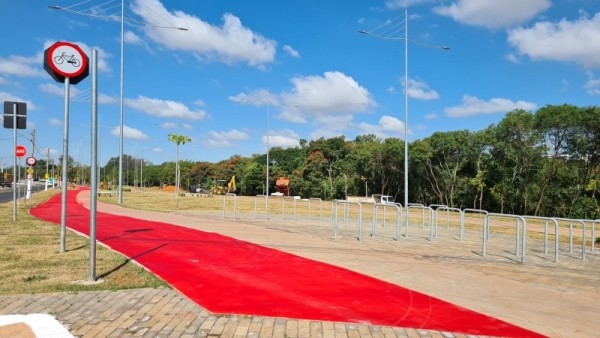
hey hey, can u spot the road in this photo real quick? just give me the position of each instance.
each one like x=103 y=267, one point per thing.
x=6 y=194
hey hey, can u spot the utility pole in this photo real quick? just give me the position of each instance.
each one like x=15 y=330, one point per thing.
x=47 y=176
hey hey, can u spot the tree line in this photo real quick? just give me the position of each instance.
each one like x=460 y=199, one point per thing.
x=543 y=163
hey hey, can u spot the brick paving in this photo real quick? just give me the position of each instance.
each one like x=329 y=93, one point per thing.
x=164 y=312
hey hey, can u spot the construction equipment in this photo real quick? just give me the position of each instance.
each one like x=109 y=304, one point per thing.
x=283 y=185
x=231 y=185
x=6 y=180
x=220 y=189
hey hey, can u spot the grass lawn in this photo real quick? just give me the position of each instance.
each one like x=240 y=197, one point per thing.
x=30 y=261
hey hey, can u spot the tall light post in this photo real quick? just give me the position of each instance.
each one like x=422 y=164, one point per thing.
x=121 y=94
x=121 y=77
x=268 y=149
x=406 y=40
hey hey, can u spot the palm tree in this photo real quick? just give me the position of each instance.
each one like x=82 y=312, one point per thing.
x=178 y=139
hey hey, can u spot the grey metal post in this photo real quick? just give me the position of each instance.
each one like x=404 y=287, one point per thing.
x=15 y=162
x=121 y=94
x=94 y=166
x=65 y=170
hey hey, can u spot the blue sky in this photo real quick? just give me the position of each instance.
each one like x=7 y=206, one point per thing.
x=291 y=69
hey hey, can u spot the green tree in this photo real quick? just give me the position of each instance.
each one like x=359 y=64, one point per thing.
x=178 y=140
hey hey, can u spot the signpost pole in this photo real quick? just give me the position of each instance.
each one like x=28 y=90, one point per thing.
x=65 y=171
x=94 y=166
x=15 y=162
x=67 y=63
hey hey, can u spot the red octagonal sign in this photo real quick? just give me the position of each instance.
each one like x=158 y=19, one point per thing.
x=20 y=151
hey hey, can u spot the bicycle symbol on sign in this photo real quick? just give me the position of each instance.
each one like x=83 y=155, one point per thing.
x=59 y=59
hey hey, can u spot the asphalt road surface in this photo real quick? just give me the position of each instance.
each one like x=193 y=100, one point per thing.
x=6 y=194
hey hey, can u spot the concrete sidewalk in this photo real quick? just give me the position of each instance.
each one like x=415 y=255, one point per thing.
x=558 y=300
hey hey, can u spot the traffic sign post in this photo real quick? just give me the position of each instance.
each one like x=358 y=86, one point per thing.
x=67 y=63
x=31 y=161
x=14 y=117
x=20 y=151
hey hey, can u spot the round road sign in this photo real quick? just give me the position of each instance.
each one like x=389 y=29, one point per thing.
x=20 y=151
x=31 y=161
x=66 y=59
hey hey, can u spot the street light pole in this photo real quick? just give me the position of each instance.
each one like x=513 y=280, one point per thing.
x=120 y=189
x=406 y=40
x=267 y=178
x=406 y=111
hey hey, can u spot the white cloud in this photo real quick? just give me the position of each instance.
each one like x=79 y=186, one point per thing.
x=22 y=66
x=430 y=116
x=75 y=94
x=396 y=4
x=55 y=122
x=230 y=43
x=472 y=106
x=291 y=116
x=164 y=108
x=257 y=98
x=105 y=99
x=285 y=138
x=592 y=87
x=327 y=101
x=575 y=41
x=59 y=90
x=220 y=139
x=331 y=125
x=132 y=38
x=4 y=96
x=332 y=93
x=493 y=13
x=388 y=126
x=420 y=90
x=168 y=125
x=129 y=133
x=233 y=134
x=157 y=150
x=291 y=51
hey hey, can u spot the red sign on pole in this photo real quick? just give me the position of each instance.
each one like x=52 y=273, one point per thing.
x=20 y=151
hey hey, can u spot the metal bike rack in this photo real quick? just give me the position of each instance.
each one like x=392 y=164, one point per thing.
x=434 y=207
x=556 y=234
x=347 y=203
x=462 y=221
x=423 y=208
x=320 y=207
x=519 y=219
x=448 y=209
x=583 y=225
x=234 y=204
x=376 y=206
x=283 y=199
x=256 y=205
x=594 y=234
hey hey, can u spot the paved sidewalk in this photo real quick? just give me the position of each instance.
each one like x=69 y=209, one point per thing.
x=166 y=313
x=558 y=300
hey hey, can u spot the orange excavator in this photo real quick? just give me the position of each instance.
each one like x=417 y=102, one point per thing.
x=283 y=185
